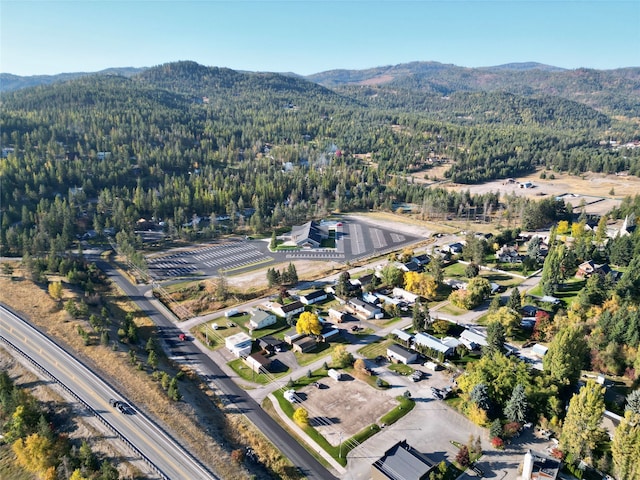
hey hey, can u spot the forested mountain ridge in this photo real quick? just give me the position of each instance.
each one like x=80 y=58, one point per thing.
x=616 y=91
x=266 y=150
x=10 y=82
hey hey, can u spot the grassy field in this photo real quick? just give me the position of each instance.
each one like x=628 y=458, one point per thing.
x=376 y=348
x=401 y=368
x=246 y=373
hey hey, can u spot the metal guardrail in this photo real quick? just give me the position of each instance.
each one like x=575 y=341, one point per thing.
x=96 y=414
x=46 y=372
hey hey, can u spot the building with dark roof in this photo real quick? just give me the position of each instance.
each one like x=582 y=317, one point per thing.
x=313 y=297
x=402 y=462
x=309 y=235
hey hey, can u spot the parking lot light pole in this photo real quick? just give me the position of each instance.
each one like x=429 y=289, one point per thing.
x=340 y=452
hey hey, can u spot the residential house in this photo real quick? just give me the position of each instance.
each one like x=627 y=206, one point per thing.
x=336 y=315
x=405 y=295
x=410 y=266
x=288 y=310
x=402 y=462
x=291 y=335
x=239 y=344
x=473 y=340
x=365 y=310
x=508 y=254
x=269 y=344
x=453 y=248
x=422 y=260
x=362 y=281
x=258 y=362
x=586 y=269
x=400 y=354
x=314 y=297
x=402 y=336
x=429 y=341
x=304 y=344
x=261 y=319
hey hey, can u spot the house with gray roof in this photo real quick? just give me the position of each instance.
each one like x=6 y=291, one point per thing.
x=402 y=462
x=429 y=341
x=400 y=354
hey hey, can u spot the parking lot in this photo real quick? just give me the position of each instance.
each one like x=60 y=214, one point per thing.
x=206 y=261
x=355 y=239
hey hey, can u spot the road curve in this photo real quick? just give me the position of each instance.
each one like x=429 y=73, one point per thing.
x=168 y=458
x=232 y=394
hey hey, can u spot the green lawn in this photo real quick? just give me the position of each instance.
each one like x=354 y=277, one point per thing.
x=323 y=349
x=391 y=321
x=379 y=347
x=401 y=368
x=245 y=372
x=455 y=270
x=501 y=279
x=405 y=406
x=449 y=309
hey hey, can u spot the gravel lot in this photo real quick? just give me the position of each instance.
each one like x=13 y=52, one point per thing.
x=345 y=406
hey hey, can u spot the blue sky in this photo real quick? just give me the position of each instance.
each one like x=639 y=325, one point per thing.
x=309 y=36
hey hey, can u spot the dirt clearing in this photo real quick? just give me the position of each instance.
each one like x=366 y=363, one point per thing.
x=346 y=406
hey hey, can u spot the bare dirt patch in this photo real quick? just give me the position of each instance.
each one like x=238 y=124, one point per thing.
x=346 y=406
x=256 y=280
x=596 y=184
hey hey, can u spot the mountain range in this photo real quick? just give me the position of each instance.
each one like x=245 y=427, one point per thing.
x=615 y=91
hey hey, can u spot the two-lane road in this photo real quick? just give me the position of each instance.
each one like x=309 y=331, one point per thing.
x=162 y=451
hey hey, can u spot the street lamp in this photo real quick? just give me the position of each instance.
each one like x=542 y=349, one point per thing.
x=340 y=452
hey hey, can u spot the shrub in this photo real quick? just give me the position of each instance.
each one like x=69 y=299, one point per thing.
x=511 y=429
x=498 y=443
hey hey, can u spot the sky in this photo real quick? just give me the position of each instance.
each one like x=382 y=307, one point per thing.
x=311 y=36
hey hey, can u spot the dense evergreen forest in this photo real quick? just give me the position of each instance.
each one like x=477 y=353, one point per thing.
x=181 y=141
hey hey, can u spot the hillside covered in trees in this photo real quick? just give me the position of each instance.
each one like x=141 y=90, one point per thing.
x=182 y=141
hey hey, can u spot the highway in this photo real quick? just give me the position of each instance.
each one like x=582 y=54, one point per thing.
x=232 y=394
x=163 y=453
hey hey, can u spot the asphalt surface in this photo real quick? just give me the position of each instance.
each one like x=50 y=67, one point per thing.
x=210 y=371
x=162 y=451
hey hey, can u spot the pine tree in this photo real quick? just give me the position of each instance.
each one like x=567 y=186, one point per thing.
x=274 y=241
x=495 y=339
x=480 y=396
x=173 y=392
x=633 y=402
x=515 y=300
x=516 y=408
